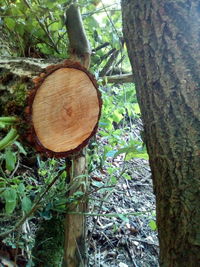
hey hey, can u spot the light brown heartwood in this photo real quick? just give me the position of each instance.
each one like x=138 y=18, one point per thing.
x=65 y=108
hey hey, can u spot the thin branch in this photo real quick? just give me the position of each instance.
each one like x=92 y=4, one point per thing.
x=138 y=213
x=44 y=29
x=109 y=18
x=106 y=55
x=33 y=209
x=100 y=47
x=123 y=78
x=109 y=63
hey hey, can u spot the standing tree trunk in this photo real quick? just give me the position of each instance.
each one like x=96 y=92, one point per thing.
x=163 y=41
x=75 y=250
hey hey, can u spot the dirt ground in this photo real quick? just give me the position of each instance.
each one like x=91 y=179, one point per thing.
x=122 y=235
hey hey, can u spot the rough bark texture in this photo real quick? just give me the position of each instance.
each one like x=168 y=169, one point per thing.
x=75 y=252
x=163 y=40
x=75 y=226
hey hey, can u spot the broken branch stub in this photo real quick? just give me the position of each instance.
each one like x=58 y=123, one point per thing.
x=64 y=109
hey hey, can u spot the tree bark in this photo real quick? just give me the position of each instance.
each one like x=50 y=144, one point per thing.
x=163 y=41
x=75 y=249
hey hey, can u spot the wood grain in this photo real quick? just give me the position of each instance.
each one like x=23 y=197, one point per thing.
x=65 y=110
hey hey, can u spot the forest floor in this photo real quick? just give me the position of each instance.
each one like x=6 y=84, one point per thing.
x=122 y=234
x=120 y=231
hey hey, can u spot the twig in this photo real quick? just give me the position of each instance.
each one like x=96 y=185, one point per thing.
x=106 y=55
x=111 y=214
x=123 y=78
x=99 y=11
x=130 y=254
x=44 y=29
x=100 y=208
x=109 y=18
x=100 y=47
x=16 y=167
x=109 y=63
x=145 y=241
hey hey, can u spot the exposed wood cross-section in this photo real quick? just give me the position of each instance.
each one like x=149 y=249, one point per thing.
x=65 y=109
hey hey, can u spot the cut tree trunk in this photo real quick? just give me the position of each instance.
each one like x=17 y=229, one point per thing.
x=163 y=44
x=65 y=109
x=75 y=250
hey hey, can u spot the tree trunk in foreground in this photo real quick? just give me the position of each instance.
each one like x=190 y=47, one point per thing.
x=163 y=40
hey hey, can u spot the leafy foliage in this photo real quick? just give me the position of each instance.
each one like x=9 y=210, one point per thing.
x=35 y=28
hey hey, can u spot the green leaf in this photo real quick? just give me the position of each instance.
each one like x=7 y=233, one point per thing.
x=21 y=189
x=117 y=116
x=63 y=175
x=123 y=218
x=152 y=225
x=10 y=160
x=113 y=180
x=106 y=123
x=126 y=176
x=124 y=150
x=97 y=184
x=10 y=23
x=136 y=108
x=92 y=22
x=10 y=196
x=20 y=147
x=137 y=155
x=8 y=139
x=111 y=153
x=26 y=204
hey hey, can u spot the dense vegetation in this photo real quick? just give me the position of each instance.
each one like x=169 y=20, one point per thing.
x=32 y=188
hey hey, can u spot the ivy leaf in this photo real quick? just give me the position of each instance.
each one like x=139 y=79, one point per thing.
x=10 y=196
x=26 y=204
x=10 y=160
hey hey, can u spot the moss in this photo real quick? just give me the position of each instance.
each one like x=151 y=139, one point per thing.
x=49 y=243
x=20 y=93
x=13 y=90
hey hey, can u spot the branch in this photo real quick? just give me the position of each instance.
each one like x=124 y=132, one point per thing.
x=100 y=47
x=44 y=29
x=31 y=67
x=109 y=63
x=79 y=44
x=123 y=78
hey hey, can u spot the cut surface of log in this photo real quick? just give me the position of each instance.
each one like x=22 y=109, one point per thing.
x=65 y=110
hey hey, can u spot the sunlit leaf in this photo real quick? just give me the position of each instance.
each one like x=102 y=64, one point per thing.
x=136 y=108
x=117 y=116
x=152 y=225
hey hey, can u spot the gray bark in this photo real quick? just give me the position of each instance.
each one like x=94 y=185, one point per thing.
x=163 y=41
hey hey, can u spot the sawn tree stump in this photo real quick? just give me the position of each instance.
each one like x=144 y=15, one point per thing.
x=64 y=109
